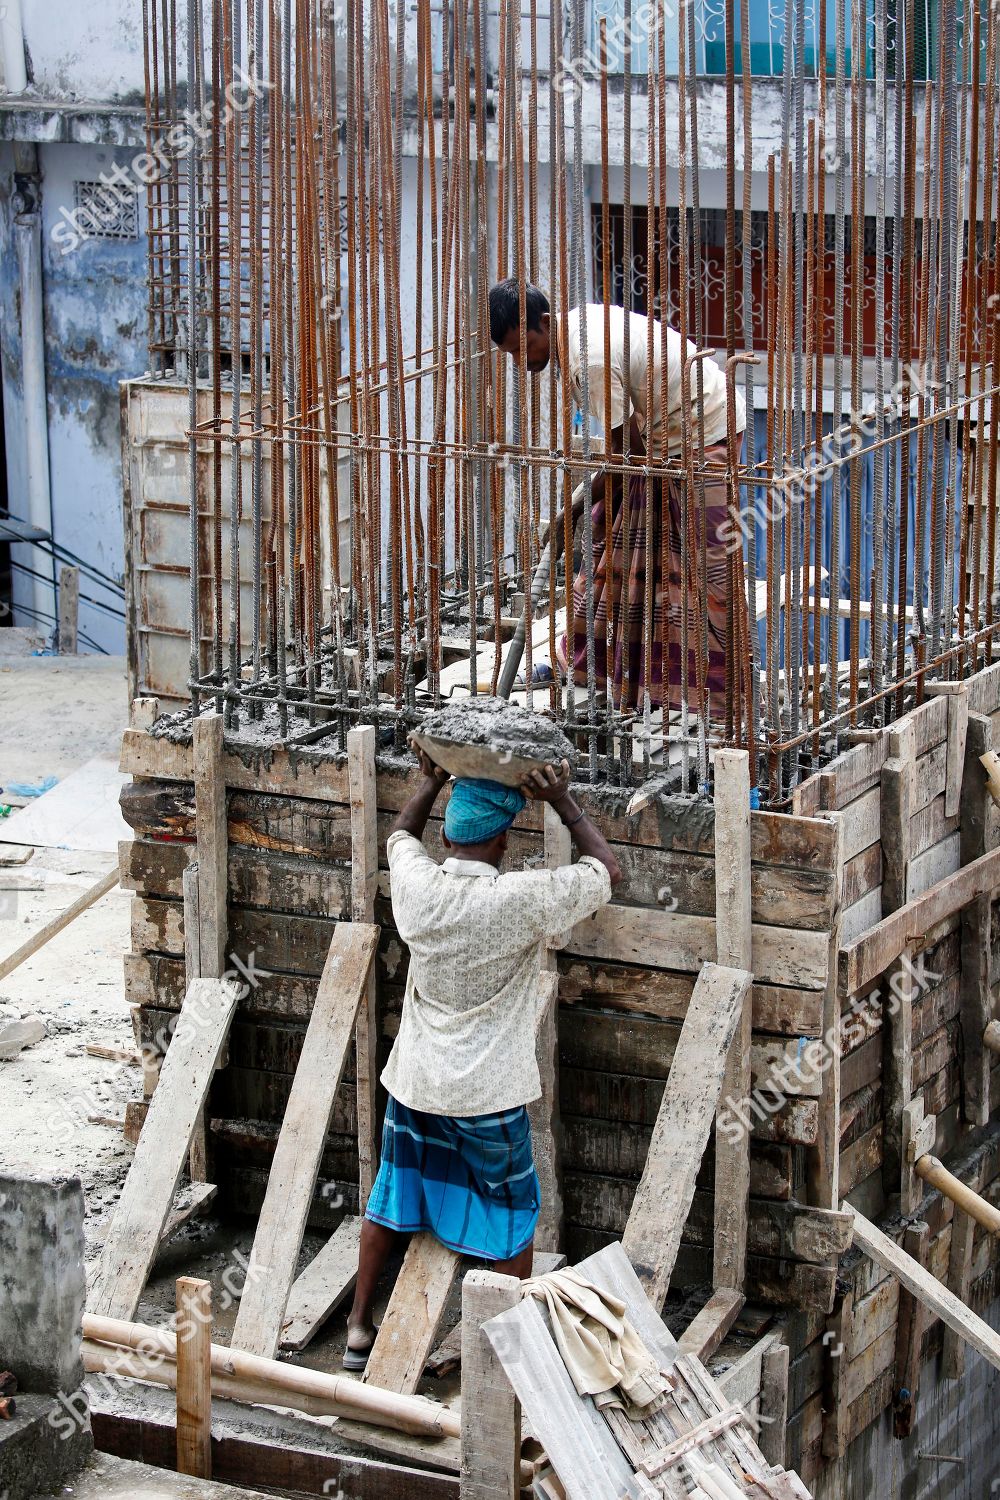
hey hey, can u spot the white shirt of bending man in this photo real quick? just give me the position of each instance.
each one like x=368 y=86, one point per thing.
x=628 y=386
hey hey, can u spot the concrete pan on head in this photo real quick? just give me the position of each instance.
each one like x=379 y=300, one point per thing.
x=492 y=740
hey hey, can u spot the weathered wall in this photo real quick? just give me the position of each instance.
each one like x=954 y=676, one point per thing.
x=95 y=335
x=89 y=52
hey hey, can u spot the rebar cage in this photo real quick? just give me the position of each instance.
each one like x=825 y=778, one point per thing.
x=372 y=490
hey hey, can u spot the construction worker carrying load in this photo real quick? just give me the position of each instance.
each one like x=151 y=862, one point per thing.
x=456 y=1148
x=654 y=525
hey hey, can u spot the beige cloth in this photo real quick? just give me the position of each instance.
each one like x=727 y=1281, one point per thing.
x=627 y=386
x=602 y=1352
x=466 y=1042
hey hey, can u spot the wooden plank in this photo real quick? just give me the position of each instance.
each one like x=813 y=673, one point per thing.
x=295 y=1168
x=194 y=1200
x=213 y=870
x=257 y=877
x=708 y=1328
x=141 y=1212
x=667 y=940
x=909 y=1334
x=573 y=1433
x=957 y=697
x=314 y=774
x=897 y=1084
x=612 y=1271
x=491 y=1415
x=824 y=1161
x=653 y=1233
x=544 y=1114
x=194 y=1377
x=976 y=1008
x=898 y=775
x=933 y=865
x=198 y=1155
x=772 y=1414
x=27 y=949
x=322 y=1286
x=364 y=880
x=838 y=1340
x=959 y=1281
x=657 y=992
x=863 y=961
x=941 y=1302
x=741 y=1382
x=733 y=941
x=409 y=1328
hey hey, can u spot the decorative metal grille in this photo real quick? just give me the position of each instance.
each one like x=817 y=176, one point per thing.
x=105 y=211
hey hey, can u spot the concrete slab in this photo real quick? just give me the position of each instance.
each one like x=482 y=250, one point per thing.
x=80 y=812
x=107 y=1478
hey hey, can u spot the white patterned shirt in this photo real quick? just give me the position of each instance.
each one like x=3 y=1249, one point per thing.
x=466 y=1043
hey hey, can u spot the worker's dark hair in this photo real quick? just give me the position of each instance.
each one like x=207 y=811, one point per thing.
x=505 y=307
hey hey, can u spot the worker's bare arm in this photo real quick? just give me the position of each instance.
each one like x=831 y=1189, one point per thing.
x=412 y=818
x=552 y=785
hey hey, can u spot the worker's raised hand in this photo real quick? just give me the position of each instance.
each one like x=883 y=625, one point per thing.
x=548 y=784
x=430 y=768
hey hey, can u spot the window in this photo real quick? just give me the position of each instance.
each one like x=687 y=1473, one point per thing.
x=105 y=211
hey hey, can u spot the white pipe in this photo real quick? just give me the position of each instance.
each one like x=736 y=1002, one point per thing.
x=36 y=505
x=15 y=73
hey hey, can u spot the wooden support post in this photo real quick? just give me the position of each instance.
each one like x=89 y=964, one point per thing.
x=919 y=1133
x=194 y=1377
x=823 y=1161
x=141 y=1212
x=917 y=1279
x=897 y=1064
x=198 y=1156
x=909 y=1335
x=364 y=883
x=143 y=713
x=408 y=1331
x=69 y=610
x=663 y=1198
x=733 y=938
x=544 y=1115
x=957 y=694
x=959 y=1279
x=897 y=788
x=296 y=1161
x=772 y=1415
x=976 y=935
x=491 y=1414
x=213 y=852
x=838 y=1347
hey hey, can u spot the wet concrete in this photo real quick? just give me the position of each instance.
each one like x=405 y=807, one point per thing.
x=492 y=739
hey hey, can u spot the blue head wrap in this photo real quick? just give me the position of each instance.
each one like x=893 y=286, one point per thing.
x=478 y=810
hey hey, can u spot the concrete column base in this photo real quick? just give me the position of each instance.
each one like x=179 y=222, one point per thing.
x=42 y=1447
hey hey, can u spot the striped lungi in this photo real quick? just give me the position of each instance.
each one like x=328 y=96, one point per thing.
x=663 y=522
x=471 y=1182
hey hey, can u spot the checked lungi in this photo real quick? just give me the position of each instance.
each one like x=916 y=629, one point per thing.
x=611 y=566
x=471 y=1182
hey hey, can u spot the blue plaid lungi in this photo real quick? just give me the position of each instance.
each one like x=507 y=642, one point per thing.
x=471 y=1182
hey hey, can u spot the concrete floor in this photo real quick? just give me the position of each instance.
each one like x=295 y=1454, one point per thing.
x=107 y=1478
x=55 y=714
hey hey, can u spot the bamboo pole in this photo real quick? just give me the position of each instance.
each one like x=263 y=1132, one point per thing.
x=931 y=1170
x=273 y=1382
x=991 y=1036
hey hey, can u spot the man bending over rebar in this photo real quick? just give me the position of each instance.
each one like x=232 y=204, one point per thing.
x=456 y=1148
x=652 y=527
